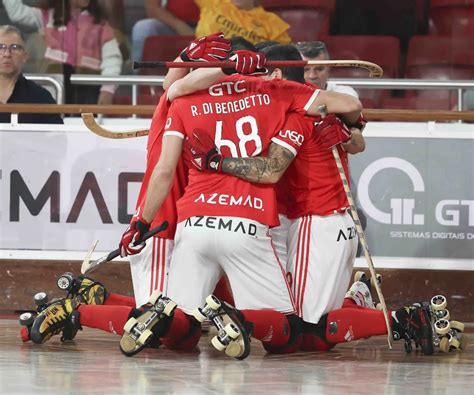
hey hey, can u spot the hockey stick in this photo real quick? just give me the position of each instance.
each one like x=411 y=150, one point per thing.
x=89 y=266
x=93 y=126
x=374 y=69
x=360 y=234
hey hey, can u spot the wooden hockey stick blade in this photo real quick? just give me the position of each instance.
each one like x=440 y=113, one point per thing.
x=87 y=259
x=89 y=266
x=94 y=127
x=374 y=69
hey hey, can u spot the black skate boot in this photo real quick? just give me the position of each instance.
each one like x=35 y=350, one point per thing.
x=414 y=323
x=233 y=335
x=84 y=289
x=147 y=324
x=60 y=316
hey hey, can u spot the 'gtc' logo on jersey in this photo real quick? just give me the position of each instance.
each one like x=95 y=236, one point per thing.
x=297 y=138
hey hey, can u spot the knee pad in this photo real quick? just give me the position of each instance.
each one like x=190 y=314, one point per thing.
x=295 y=326
x=188 y=341
x=314 y=336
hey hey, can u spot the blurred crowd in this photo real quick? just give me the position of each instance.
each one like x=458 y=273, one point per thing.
x=104 y=37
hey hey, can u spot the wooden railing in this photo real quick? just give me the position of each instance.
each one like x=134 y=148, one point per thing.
x=125 y=110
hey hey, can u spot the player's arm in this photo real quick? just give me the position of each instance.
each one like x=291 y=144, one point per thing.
x=162 y=176
x=261 y=169
x=356 y=144
x=201 y=151
x=347 y=107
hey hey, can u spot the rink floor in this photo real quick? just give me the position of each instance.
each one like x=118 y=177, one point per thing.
x=94 y=364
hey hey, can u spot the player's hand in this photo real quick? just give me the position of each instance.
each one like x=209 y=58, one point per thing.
x=137 y=228
x=201 y=151
x=331 y=131
x=206 y=49
x=248 y=62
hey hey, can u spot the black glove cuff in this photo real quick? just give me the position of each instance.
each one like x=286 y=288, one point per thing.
x=184 y=57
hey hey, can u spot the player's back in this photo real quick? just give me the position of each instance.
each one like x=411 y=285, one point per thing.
x=242 y=115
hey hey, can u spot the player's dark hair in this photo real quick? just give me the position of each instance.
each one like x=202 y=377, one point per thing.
x=265 y=44
x=239 y=43
x=285 y=52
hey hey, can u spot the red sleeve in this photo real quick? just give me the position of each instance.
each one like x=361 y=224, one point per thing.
x=298 y=96
x=296 y=130
x=174 y=124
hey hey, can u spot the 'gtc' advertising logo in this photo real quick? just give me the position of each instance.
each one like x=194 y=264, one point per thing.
x=402 y=209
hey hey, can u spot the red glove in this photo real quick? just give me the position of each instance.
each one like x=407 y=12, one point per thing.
x=137 y=228
x=331 y=131
x=201 y=151
x=207 y=49
x=248 y=62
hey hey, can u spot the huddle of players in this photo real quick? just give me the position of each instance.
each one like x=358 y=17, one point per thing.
x=219 y=142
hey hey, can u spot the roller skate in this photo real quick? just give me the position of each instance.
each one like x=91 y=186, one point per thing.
x=413 y=323
x=147 y=324
x=84 y=289
x=232 y=336
x=60 y=316
x=447 y=333
x=363 y=295
x=26 y=319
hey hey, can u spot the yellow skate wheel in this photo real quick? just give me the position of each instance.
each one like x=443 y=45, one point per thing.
x=199 y=315
x=438 y=302
x=379 y=306
x=456 y=325
x=454 y=344
x=217 y=344
x=145 y=336
x=442 y=327
x=213 y=302
x=127 y=345
x=234 y=349
x=155 y=296
x=232 y=330
x=130 y=324
x=169 y=308
x=358 y=275
x=444 y=345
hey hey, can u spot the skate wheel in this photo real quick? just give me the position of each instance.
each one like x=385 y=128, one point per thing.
x=145 y=337
x=27 y=319
x=457 y=326
x=379 y=306
x=463 y=343
x=213 y=302
x=442 y=314
x=41 y=298
x=197 y=313
x=232 y=330
x=64 y=282
x=358 y=276
x=234 y=350
x=218 y=345
x=155 y=296
x=438 y=302
x=169 y=308
x=129 y=325
x=444 y=345
x=442 y=327
x=374 y=283
x=454 y=344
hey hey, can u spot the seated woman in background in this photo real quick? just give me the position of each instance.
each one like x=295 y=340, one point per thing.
x=78 y=40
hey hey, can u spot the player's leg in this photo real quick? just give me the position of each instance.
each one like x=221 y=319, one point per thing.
x=322 y=252
x=258 y=281
x=279 y=236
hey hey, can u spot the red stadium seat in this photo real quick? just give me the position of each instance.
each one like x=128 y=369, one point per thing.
x=308 y=19
x=456 y=20
x=383 y=50
x=439 y=58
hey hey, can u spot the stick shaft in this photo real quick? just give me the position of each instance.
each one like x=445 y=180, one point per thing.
x=363 y=241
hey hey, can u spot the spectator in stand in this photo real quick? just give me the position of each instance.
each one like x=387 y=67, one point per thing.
x=78 y=40
x=241 y=18
x=318 y=75
x=171 y=17
x=14 y=87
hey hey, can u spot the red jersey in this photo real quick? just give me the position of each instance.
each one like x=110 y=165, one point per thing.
x=242 y=115
x=167 y=211
x=313 y=185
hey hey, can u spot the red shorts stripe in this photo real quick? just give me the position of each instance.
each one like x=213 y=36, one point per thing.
x=152 y=275
x=306 y=263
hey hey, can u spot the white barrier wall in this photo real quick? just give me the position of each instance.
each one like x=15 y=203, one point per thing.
x=62 y=187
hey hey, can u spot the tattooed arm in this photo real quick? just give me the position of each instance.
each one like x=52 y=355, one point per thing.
x=263 y=170
x=356 y=144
